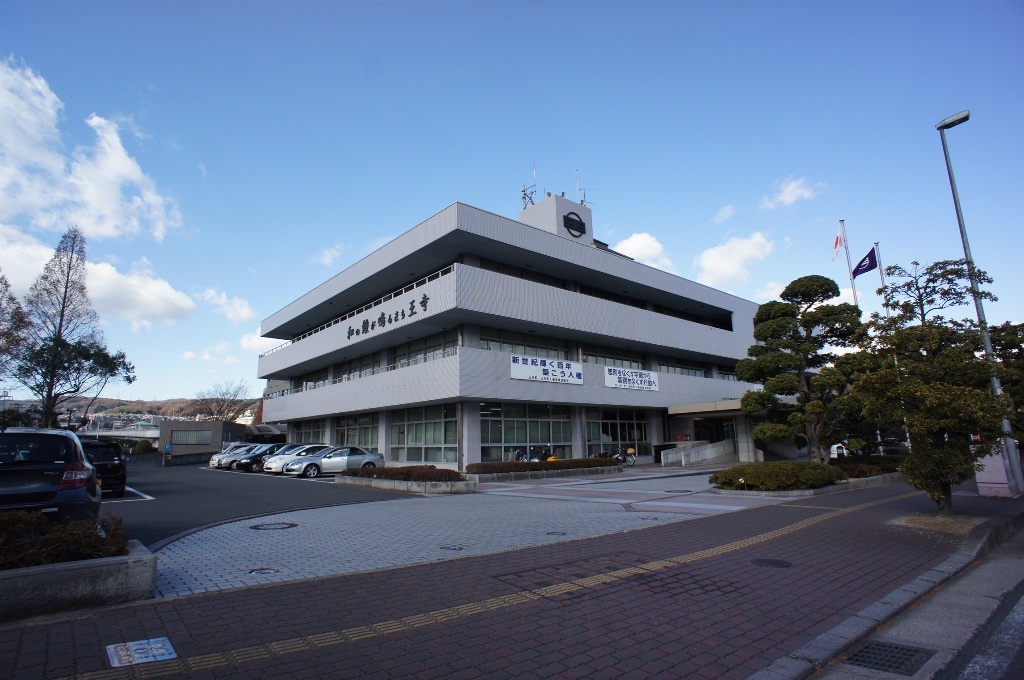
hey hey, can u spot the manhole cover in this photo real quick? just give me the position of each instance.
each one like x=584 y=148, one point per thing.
x=271 y=526
x=451 y=547
x=262 y=572
x=884 y=656
x=651 y=519
x=556 y=533
x=777 y=564
x=679 y=491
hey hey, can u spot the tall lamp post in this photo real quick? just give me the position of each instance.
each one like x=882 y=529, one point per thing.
x=1010 y=457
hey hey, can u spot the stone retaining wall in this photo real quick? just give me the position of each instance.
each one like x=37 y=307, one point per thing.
x=52 y=588
x=544 y=474
x=429 y=488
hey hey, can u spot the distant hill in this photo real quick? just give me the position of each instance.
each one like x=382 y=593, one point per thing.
x=165 y=407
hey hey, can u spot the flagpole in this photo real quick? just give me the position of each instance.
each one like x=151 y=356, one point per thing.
x=881 y=276
x=849 y=265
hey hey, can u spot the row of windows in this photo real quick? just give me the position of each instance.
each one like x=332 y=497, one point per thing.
x=609 y=356
x=425 y=434
x=424 y=349
x=723 y=319
x=358 y=430
x=522 y=343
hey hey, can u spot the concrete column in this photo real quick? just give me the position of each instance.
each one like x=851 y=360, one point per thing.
x=469 y=433
x=579 y=432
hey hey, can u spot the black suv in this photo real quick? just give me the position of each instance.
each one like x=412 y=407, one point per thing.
x=47 y=470
x=109 y=460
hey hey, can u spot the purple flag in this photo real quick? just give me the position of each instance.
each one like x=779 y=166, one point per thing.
x=866 y=264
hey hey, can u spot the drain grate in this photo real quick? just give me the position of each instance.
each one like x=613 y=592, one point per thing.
x=884 y=656
x=273 y=526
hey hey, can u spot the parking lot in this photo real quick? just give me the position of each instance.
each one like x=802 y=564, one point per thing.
x=161 y=503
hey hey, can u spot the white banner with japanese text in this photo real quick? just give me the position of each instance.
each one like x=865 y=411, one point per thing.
x=630 y=379
x=547 y=370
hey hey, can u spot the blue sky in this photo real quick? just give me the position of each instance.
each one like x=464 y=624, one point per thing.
x=223 y=158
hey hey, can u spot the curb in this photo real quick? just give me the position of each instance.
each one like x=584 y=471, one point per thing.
x=425 y=488
x=491 y=477
x=819 y=652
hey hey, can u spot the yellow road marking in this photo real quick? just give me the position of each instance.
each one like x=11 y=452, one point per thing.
x=384 y=628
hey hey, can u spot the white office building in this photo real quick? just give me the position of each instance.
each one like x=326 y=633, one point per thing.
x=473 y=337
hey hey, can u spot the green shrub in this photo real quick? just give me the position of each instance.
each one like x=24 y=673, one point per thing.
x=532 y=466
x=29 y=539
x=408 y=473
x=778 y=476
x=857 y=470
x=143 y=446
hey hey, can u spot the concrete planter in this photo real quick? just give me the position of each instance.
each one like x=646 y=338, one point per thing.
x=427 y=488
x=543 y=474
x=77 y=585
x=859 y=483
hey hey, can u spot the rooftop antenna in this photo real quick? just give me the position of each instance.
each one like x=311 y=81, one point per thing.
x=528 y=192
x=581 y=194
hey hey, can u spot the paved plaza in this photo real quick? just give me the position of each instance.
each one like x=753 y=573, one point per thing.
x=642 y=576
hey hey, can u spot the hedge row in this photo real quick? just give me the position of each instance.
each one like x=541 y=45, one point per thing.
x=534 y=466
x=778 y=476
x=408 y=473
x=869 y=466
x=30 y=539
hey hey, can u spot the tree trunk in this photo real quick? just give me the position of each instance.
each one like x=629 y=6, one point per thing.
x=945 y=500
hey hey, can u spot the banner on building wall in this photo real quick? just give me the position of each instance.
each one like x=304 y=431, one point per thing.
x=547 y=370
x=630 y=379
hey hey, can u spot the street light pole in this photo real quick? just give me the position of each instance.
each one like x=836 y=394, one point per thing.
x=1010 y=453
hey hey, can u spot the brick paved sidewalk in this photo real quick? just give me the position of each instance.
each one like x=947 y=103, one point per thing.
x=718 y=597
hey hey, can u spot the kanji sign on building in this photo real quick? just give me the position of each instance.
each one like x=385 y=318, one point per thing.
x=547 y=370
x=630 y=379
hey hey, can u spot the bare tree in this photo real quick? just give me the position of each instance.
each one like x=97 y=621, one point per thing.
x=64 y=355
x=224 y=401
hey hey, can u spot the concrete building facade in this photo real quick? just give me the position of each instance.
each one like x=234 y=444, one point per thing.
x=473 y=337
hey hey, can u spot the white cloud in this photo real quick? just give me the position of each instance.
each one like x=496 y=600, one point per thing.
x=645 y=248
x=235 y=309
x=201 y=167
x=789 y=191
x=138 y=296
x=726 y=264
x=327 y=256
x=769 y=291
x=254 y=342
x=219 y=354
x=724 y=214
x=99 y=188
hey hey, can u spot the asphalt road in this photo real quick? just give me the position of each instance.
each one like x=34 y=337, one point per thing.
x=173 y=500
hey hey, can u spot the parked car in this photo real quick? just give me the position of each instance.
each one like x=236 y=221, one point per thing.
x=275 y=464
x=110 y=462
x=333 y=461
x=222 y=461
x=47 y=470
x=252 y=461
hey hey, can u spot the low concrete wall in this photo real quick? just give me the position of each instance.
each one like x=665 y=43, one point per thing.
x=77 y=585
x=719 y=452
x=429 y=488
x=544 y=474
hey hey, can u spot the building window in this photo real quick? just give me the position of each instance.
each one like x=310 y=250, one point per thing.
x=432 y=347
x=610 y=430
x=522 y=431
x=609 y=356
x=358 y=430
x=522 y=343
x=612 y=297
x=726 y=373
x=191 y=437
x=425 y=434
x=520 y=273
x=357 y=368
x=312 y=380
x=311 y=431
x=682 y=367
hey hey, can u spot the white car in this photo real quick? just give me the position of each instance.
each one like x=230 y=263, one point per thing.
x=333 y=461
x=275 y=464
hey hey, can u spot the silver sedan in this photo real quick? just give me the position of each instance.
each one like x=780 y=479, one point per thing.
x=333 y=461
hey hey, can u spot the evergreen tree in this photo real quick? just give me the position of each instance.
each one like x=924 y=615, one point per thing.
x=805 y=384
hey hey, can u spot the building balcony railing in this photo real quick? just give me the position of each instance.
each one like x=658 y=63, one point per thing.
x=405 y=363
